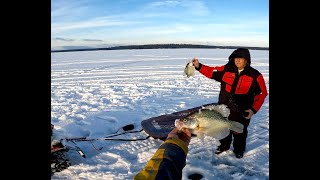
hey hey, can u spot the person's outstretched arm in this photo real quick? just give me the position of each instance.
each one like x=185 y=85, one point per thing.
x=211 y=72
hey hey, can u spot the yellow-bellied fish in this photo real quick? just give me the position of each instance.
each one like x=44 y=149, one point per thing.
x=211 y=121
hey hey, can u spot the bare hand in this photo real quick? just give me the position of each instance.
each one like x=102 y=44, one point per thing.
x=250 y=113
x=195 y=62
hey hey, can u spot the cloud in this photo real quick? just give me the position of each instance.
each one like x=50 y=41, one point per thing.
x=83 y=21
x=64 y=43
x=68 y=10
x=165 y=4
x=192 y=7
x=91 y=40
x=96 y=22
x=62 y=39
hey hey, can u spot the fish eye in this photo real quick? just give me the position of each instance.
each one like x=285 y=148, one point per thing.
x=185 y=120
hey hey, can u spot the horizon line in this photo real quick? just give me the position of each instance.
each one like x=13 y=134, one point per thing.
x=159 y=46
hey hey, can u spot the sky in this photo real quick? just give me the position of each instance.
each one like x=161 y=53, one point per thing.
x=96 y=93
x=104 y=23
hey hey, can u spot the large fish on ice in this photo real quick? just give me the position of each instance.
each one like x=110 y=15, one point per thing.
x=189 y=69
x=211 y=121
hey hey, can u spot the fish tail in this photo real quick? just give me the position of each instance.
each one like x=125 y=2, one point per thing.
x=236 y=126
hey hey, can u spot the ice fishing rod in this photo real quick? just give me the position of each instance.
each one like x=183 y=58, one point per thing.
x=125 y=128
x=94 y=139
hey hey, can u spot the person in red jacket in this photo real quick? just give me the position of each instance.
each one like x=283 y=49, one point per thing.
x=243 y=90
x=170 y=158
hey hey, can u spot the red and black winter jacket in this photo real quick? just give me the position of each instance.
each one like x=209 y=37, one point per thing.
x=240 y=92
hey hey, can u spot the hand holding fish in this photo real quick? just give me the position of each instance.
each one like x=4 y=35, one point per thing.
x=183 y=134
x=195 y=62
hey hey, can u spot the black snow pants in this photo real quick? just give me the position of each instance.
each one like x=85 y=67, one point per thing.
x=239 y=139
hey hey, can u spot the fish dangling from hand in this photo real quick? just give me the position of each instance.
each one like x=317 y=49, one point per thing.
x=189 y=69
x=211 y=121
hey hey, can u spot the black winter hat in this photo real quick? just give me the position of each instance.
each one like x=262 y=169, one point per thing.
x=240 y=52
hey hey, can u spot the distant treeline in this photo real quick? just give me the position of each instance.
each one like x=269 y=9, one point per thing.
x=162 y=46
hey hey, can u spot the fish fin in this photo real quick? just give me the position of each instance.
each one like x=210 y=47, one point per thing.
x=221 y=108
x=185 y=70
x=236 y=126
x=200 y=135
x=219 y=134
x=202 y=131
x=184 y=73
x=223 y=133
